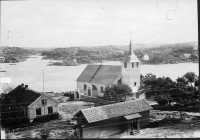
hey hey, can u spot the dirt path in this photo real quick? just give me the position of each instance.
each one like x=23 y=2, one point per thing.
x=181 y=129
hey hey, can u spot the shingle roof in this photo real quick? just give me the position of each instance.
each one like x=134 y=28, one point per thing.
x=100 y=74
x=25 y=96
x=114 y=110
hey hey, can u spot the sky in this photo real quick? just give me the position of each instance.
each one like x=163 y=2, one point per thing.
x=68 y=23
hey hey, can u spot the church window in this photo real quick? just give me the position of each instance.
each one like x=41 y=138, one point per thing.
x=119 y=81
x=125 y=65
x=137 y=64
x=132 y=65
x=85 y=86
x=135 y=84
x=89 y=92
x=101 y=89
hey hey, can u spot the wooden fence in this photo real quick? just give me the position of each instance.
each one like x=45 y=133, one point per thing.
x=97 y=101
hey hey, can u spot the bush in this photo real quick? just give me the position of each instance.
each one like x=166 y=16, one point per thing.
x=162 y=102
x=70 y=95
x=46 y=118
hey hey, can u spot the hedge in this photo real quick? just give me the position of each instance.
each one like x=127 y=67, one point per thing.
x=46 y=118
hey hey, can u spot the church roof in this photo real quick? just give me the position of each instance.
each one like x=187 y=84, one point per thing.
x=100 y=74
x=131 y=57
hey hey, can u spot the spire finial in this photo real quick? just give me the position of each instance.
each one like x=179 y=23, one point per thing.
x=130 y=48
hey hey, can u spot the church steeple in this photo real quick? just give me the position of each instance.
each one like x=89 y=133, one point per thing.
x=131 y=57
x=131 y=69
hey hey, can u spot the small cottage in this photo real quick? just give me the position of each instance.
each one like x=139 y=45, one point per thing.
x=113 y=119
x=34 y=103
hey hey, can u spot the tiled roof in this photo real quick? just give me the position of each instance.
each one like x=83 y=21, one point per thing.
x=100 y=74
x=25 y=96
x=115 y=110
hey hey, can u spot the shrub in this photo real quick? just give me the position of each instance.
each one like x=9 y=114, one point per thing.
x=162 y=102
x=46 y=118
x=70 y=95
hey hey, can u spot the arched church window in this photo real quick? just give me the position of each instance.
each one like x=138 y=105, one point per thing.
x=135 y=84
x=132 y=65
x=85 y=86
x=101 y=89
x=125 y=65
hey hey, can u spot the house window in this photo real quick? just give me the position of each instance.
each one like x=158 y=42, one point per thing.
x=119 y=81
x=125 y=65
x=135 y=84
x=101 y=89
x=132 y=65
x=44 y=101
x=50 y=110
x=137 y=64
x=85 y=86
x=38 y=111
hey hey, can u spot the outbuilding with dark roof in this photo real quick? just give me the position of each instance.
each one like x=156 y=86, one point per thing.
x=111 y=119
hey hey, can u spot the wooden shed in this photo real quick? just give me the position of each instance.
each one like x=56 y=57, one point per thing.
x=103 y=121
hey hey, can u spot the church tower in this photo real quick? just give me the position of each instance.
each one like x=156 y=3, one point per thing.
x=131 y=70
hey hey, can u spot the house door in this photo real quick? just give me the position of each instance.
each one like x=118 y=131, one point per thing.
x=77 y=95
x=135 y=124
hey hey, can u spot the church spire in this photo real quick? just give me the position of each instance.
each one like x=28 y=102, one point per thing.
x=130 y=48
x=131 y=57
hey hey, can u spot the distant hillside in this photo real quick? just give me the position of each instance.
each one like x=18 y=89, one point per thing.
x=15 y=54
x=158 y=54
x=169 y=53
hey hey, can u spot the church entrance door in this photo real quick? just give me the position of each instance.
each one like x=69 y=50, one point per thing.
x=94 y=90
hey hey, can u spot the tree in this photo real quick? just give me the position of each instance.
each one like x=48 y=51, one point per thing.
x=196 y=84
x=12 y=113
x=190 y=77
x=181 y=82
x=7 y=89
x=149 y=80
x=117 y=91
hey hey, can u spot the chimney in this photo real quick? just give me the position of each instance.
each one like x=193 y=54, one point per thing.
x=26 y=87
x=22 y=85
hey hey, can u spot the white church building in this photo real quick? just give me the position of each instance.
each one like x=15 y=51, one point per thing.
x=94 y=78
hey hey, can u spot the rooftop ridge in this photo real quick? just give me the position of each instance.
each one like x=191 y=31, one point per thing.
x=114 y=104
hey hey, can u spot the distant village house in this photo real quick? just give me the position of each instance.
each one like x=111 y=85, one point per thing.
x=187 y=55
x=146 y=57
x=34 y=103
x=107 y=120
x=2 y=59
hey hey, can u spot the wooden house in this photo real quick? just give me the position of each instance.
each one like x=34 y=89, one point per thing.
x=103 y=121
x=34 y=103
